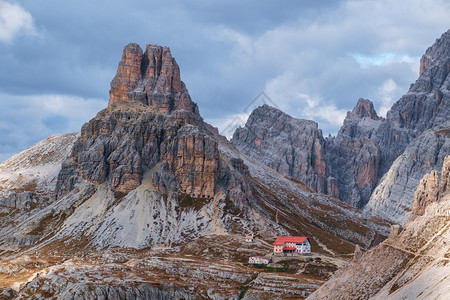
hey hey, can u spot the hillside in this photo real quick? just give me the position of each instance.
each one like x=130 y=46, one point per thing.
x=412 y=263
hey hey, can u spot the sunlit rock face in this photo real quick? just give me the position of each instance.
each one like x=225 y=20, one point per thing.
x=432 y=188
x=412 y=263
x=151 y=77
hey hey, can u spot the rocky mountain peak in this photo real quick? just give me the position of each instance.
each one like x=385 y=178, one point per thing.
x=151 y=77
x=427 y=104
x=364 y=108
x=291 y=146
x=439 y=51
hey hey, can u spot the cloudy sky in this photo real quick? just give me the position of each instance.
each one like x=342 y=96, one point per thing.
x=314 y=59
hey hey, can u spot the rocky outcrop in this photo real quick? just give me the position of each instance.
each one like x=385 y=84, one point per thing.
x=354 y=158
x=410 y=264
x=431 y=189
x=150 y=119
x=426 y=193
x=444 y=184
x=120 y=146
x=395 y=230
x=290 y=146
x=61 y=288
x=393 y=197
x=153 y=78
x=426 y=104
x=356 y=165
x=21 y=201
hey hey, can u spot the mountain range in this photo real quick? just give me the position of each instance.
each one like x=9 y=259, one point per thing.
x=149 y=201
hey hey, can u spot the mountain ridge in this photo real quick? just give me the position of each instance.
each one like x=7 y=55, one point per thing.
x=354 y=165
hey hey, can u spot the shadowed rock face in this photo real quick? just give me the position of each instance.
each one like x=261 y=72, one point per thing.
x=290 y=146
x=346 y=167
x=354 y=163
x=153 y=78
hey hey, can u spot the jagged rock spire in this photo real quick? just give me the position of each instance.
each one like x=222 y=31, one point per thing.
x=364 y=108
x=440 y=50
x=151 y=77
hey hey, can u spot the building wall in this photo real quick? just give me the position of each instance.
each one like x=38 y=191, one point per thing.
x=304 y=247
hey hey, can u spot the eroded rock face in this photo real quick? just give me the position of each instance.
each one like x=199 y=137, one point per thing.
x=427 y=103
x=362 y=155
x=410 y=264
x=347 y=167
x=22 y=200
x=426 y=193
x=423 y=114
x=153 y=78
x=431 y=189
x=119 y=147
x=393 y=197
x=290 y=146
x=150 y=119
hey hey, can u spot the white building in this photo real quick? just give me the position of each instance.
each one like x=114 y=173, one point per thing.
x=291 y=244
x=258 y=260
x=249 y=238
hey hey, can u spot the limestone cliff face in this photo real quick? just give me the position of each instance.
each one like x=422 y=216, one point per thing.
x=410 y=264
x=426 y=193
x=423 y=115
x=347 y=167
x=153 y=78
x=353 y=157
x=431 y=189
x=358 y=164
x=393 y=197
x=426 y=104
x=120 y=146
x=150 y=119
x=290 y=146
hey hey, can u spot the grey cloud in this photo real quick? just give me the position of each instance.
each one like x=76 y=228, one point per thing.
x=287 y=48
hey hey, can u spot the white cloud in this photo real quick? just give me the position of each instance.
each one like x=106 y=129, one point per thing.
x=387 y=91
x=14 y=20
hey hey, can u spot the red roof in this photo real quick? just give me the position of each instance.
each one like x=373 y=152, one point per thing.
x=288 y=248
x=281 y=240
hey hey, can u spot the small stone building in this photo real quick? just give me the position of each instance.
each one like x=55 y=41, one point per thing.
x=258 y=260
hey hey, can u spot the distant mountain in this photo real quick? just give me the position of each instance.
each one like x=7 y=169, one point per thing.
x=424 y=113
x=370 y=163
